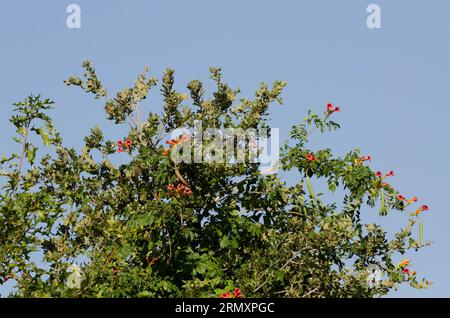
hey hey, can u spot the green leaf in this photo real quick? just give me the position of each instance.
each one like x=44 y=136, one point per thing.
x=44 y=137
x=332 y=186
x=224 y=242
x=21 y=130
x=280 y=275
x=31 y=154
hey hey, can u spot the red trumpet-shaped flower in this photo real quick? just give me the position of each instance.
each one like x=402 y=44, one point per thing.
x=178 y=190
x=151 y=262
x=171 y=142
x=179 y=140
x=361 y=159
x=310 y=157
x=404 y=263
x=237 y=293
x=121 y=145
x=402 y=198
x=390 y=174
x=423 y=208
x=413 y=199
x=331 y=109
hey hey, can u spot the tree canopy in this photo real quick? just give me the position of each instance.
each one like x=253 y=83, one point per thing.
x=155 y=227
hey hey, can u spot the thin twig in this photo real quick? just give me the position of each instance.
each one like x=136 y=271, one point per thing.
x=311 y=291
x=282 y=267
x=22 y=156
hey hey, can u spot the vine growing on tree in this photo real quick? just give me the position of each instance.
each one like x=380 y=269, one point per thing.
x=154 y=227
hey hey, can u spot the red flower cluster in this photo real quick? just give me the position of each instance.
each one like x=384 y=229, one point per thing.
x=402 y=198
x=405 y=270
x=379 y=174
x=180 y=189
x=310 y=157
x=174 y=142
x=331 y=109
x=236 y=294
x=423 y=208
x=361 y=159
x=121 y=145
x=153 y=261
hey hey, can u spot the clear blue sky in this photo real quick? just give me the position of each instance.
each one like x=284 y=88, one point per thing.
x=392 y=84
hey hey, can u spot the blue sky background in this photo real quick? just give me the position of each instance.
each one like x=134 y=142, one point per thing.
x=392 y=84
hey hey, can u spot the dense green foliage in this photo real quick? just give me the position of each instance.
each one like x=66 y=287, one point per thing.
x=126 y=231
